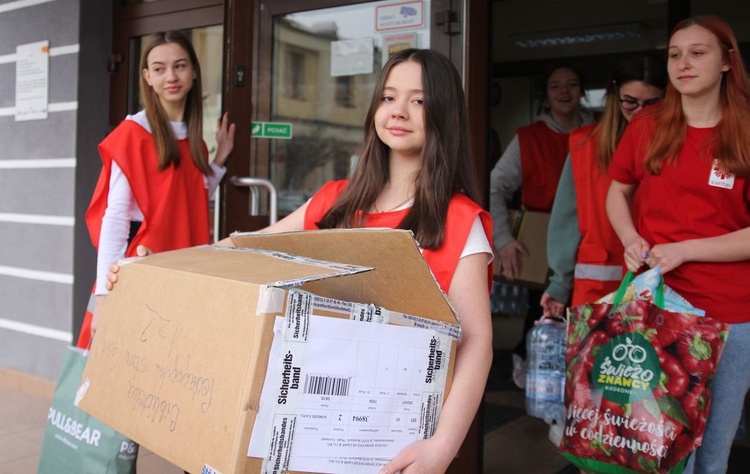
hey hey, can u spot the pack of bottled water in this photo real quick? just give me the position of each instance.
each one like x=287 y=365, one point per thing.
x=545 y=369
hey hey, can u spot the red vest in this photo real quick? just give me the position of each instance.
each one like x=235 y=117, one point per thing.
x=543 y=153
x=174 y=202
x=443 y=260
x=600 y=264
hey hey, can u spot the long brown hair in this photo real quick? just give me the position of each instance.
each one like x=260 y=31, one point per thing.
x=446 y=157
x=731 y=144
x=648 y=69
x=166 y=144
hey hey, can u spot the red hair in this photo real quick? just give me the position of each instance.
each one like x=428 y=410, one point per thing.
x=731 y=144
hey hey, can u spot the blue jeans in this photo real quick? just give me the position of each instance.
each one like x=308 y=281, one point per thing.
x=728 y=390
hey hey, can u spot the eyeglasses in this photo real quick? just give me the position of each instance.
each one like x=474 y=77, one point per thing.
x=632 y=104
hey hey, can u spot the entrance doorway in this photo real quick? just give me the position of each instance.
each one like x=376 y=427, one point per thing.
x=314 y=66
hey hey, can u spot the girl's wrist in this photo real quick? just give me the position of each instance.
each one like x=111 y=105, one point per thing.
x=446 y=442
x=630 y=239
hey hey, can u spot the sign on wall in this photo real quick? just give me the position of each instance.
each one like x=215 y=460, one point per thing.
x=32 y=81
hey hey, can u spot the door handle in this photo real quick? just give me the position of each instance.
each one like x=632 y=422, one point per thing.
x=254 y=184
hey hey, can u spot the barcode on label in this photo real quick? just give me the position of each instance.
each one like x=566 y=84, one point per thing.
x=327 y=385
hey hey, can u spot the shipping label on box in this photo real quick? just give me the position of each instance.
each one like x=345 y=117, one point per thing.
x=348 y=397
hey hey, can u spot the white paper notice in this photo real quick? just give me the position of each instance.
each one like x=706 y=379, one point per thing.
x=350 y=397
x=32 y=81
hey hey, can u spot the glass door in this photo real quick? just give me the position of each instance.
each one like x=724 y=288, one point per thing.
x=316 y=67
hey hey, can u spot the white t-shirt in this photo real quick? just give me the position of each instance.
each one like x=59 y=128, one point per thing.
x=477 y=242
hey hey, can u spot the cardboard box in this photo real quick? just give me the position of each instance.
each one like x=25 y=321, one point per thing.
x=181 y=352
x=530 y=229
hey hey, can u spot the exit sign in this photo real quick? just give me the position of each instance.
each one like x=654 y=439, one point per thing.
x=271 y=130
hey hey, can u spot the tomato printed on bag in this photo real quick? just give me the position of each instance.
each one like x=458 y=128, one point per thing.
x=637 y=391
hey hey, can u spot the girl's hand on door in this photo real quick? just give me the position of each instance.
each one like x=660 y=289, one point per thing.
x=224 y=139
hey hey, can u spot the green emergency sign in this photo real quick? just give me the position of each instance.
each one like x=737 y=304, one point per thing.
x=271 y=130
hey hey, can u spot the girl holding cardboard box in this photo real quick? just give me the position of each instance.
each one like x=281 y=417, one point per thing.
x=415 y=173
x=532 y=163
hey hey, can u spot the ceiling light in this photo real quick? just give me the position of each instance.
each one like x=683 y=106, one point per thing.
x=579 y=35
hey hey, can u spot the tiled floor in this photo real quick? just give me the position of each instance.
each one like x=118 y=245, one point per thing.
x=24 y=404
x=521 y=445
x=23 y=418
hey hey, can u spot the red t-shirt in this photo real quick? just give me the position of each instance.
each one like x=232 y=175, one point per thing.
x=690 y=200
x=443 y=260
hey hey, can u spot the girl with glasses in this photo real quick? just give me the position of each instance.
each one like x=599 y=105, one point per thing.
x=585 y=255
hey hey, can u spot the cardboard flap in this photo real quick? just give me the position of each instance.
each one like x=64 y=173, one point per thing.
x=259 y=266
x=402 y=281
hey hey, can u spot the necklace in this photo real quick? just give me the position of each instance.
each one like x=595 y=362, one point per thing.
x=378 y=211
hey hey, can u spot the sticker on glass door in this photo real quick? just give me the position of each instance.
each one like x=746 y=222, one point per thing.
x=271 y=130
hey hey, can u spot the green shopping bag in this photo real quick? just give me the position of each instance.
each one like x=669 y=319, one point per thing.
x=74 y=441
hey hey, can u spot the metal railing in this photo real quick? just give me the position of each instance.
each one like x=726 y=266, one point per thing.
x=254 y=184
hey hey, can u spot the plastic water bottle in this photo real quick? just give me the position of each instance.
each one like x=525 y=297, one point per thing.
x=545 y=369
